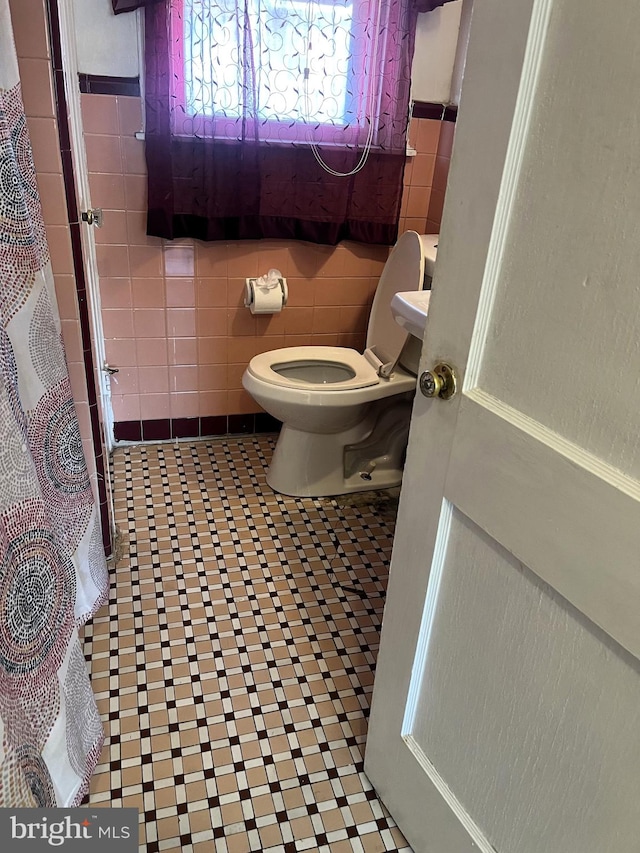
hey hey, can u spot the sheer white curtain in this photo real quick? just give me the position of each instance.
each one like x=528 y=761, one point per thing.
x=52 y=567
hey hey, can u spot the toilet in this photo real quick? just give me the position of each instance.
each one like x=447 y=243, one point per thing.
x=346 y=414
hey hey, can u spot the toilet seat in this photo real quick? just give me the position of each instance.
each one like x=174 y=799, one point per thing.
x=264 y=366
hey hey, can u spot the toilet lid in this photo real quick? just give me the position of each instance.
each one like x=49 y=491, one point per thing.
x=262 y=367
x=404 y=270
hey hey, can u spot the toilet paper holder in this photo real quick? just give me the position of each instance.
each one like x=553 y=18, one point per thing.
x=272 y=281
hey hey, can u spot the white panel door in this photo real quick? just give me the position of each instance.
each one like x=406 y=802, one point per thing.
x=506 y=707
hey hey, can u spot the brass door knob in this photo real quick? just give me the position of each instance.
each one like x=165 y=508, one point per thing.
x=439 y=382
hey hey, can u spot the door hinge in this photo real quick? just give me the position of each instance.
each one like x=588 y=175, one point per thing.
x=93 y=216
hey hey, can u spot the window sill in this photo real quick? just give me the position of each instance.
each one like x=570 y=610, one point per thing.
x=410 y=152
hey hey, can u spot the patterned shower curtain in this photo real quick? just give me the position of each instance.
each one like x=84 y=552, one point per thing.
x=53 y=573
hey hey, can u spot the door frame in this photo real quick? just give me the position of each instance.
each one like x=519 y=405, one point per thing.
x=64 y=59
x=83 y=194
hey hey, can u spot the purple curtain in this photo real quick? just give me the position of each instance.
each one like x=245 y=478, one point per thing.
x=131 y=5
x=420 y=5
x=265 y=119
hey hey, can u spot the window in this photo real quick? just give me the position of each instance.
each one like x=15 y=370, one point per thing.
x=286 y=70
x=280 y=119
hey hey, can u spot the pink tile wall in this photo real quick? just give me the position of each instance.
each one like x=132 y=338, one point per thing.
x=440 y=175
x=30 y=33
x=173 y=313
x=424 y=136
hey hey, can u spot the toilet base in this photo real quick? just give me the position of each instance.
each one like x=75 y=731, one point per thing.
x=369 y=455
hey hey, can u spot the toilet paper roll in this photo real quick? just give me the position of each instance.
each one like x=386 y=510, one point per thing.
x=263 y=300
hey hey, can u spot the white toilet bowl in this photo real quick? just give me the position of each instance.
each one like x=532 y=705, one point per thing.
x=346 y=414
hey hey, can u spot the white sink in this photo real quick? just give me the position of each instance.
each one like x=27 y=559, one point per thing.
x=410 y=309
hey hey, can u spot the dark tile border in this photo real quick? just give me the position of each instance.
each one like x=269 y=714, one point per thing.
x=156 y=430
x=450 y=114
x=166 y=428
x=96 y=84
x=128 y=431
x=64 y=138
x=213 y=425
x=424 y=109
x=240 y=424
x=185 y=427
x=437 y=112
x=266 y=423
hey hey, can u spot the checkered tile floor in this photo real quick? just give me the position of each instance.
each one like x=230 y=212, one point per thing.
x=235 y=666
